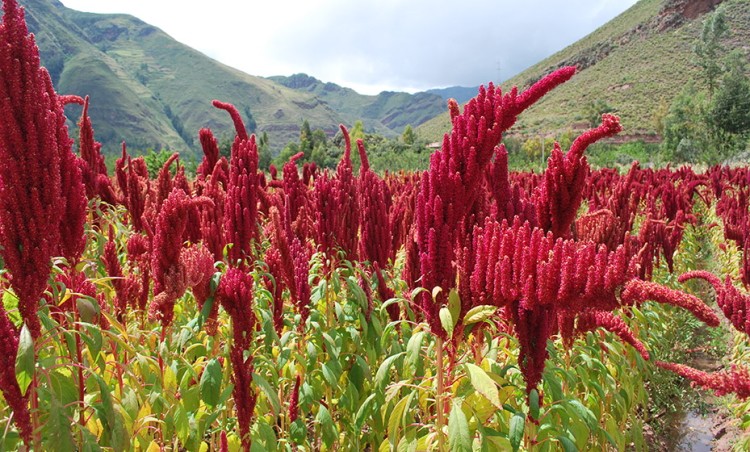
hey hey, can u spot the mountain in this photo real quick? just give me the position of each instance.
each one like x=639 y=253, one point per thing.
x=386 y=113
x=154 y=92
x=461 y=94
x=636 y=63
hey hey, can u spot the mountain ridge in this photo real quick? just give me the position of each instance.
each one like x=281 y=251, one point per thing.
x=151 y=91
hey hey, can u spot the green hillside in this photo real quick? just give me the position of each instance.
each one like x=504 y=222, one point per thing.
x=637 y=63
x=152 y=91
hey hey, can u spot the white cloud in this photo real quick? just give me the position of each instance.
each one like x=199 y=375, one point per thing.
x=372 y=45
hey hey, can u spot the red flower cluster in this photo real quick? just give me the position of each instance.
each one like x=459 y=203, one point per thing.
x=733 y=381
x=235 y=293
x=637 y=291
x=241 y=206
x=40 y=186
x=734 y=304
x=451 y=186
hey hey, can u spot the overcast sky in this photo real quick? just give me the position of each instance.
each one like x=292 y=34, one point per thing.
x=374 y=45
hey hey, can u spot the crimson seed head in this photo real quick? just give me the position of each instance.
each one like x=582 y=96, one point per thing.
x=42 y=205
x=637 y=291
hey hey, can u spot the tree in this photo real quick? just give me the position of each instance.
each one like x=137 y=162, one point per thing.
x=730 y=108
x=408 y=137
x=264 y=152
x=708 y=49
x=306 y=143
x=358 y=131
x=685 y=130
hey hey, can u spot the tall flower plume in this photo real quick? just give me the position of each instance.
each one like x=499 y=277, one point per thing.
x=235 y=293
x=451 y=185
x=736 y=380
x=35 y=160
x=93 y=169
x=241 y=207
x=734 y=304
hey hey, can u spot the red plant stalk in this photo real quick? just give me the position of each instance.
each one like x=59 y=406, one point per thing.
x=235 y=295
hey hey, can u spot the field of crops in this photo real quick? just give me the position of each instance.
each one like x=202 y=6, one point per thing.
x=464 y=308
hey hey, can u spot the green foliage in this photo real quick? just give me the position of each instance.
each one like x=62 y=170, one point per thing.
x=709 y=48
x=408 y=136
x=730 y=106
x=156 y=160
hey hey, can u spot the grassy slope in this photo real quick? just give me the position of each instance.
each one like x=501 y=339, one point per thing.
x=643 y=71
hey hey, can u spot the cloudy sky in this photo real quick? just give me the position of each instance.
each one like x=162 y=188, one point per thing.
x=374 y=45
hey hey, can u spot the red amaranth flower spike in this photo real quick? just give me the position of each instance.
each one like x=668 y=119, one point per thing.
x=638 y=291
x=294 y=401
x=114 y=271
x=241 y=207
x=210 y=153
x=93 y=169
x=733 y=381
x=239 y=125
x=560 y=195
x=734 y=304
x=451 y=186
x=169 y=270
x=38 y=186
x=235 y=293
x=591 y=320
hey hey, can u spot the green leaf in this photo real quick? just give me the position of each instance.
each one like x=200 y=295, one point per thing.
x=25 y=360
x=459 y=438
x=210 y=384
x=454 y=306
x=483 y=384
x=86 y=309
x=382 y=373
x=515 y=432
x=298 y=431
x=567 y=444
x=327 y=427
x=57 y=428
x=265 y=386
x=396 y=419
x=111 y=420
x=446 y=321
x=479 y=314
x=413 y=349
x=534 y=404
x=365 y=411
x=584 y=413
